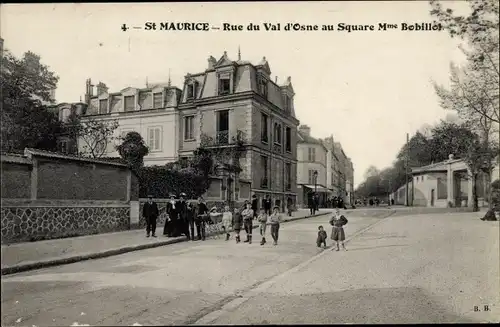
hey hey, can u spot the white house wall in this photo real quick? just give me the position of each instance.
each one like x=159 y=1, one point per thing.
x=167 y=122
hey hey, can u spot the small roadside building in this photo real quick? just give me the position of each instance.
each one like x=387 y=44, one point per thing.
x=447 y=184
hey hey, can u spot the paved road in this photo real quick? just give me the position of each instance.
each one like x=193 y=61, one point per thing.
x=402 y=269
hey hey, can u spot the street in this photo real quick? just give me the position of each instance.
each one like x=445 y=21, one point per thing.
x=431 y=268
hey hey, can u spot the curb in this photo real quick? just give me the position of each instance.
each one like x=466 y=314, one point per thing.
x=98 y=255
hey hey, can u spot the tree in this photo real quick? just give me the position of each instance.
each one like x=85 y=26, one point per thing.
x=94 y=135
x=474 y=91
x=25 y=119
x=133 y=150
x=371 y=171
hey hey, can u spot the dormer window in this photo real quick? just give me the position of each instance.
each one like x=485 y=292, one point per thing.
x=287 y=103
x=157 y=100
x=224 y=85
x=191 y=90
x=263 y=86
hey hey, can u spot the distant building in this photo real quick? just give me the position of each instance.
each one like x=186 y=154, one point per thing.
x=67 y=143
x=311 y=159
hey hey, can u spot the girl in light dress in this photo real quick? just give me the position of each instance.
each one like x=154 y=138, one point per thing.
x=338 y=222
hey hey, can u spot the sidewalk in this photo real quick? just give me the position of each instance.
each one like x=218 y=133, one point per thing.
x=35 y=255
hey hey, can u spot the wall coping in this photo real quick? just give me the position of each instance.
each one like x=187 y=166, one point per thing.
x=15 y=159
x=62 y=203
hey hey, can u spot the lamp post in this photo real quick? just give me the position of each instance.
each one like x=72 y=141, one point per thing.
x=315 y=174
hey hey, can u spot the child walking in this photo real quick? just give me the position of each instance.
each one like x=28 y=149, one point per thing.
x=274 y=220
x=321 y=237
x=338 y=222
x=227 y=221
x=237 y=222
x=262 y=218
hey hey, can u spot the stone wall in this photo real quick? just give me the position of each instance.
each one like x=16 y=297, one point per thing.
x=30 y=221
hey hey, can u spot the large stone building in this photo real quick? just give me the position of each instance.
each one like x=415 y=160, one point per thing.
x=231 y=98
x=228 y=99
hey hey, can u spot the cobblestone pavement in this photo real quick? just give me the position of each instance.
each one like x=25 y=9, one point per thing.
x=402 y=269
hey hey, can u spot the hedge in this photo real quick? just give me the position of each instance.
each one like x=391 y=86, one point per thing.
x=161 y=182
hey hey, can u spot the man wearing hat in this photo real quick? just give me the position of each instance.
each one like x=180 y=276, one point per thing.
x=183 y=219
x=201 y=218
x=150 y=214
x=255 y=205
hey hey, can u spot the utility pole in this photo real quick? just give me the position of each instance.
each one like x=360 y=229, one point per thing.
x=407 y=158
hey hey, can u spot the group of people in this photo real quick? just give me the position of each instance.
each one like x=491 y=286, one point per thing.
x=244 y=217
x=184 y=217
x=337 y=221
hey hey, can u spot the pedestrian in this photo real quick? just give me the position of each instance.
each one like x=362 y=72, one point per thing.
x=262 y=219
x=227 y=221
x=338 y=222
x=267 y=204
x=243 y=208
x=170 y=227
x=237 y=222
x=274 y=221
x=310 y=201
x=201 y=218
x=255 y=205
x=190 y=217
x=247 y=215
x=150 y=214
x=183 y=220
x=321 y=237
x=289 y=205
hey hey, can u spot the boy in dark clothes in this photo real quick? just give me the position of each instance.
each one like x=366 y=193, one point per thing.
x=322 y=236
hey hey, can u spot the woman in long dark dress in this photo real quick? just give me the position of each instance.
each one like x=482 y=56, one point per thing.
x=171 y=224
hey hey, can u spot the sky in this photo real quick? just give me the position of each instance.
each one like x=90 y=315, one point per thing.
x=366 y=88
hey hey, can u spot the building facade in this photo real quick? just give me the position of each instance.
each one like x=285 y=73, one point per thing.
x=312 y=169
x=232 y=98
x=150 y=111
x=66 y=142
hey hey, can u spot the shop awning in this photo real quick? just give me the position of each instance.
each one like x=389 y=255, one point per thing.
x=319 y=188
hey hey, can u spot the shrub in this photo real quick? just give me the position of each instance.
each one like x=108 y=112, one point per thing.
x=160 y=181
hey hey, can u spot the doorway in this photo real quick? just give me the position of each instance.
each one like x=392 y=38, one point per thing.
x=432 y=198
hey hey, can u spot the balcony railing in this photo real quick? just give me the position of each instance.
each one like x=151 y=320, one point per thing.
x=222 y=138
x=277 y=148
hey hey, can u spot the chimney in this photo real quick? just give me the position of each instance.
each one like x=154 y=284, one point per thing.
x=211 y=62
x=101 y=88
x=451 y=156
x=304 y=129
x=276 y=79
x=289 y=79
x=88 y=90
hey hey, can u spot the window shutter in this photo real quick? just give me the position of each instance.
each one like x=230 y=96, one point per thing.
x=157 y=138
